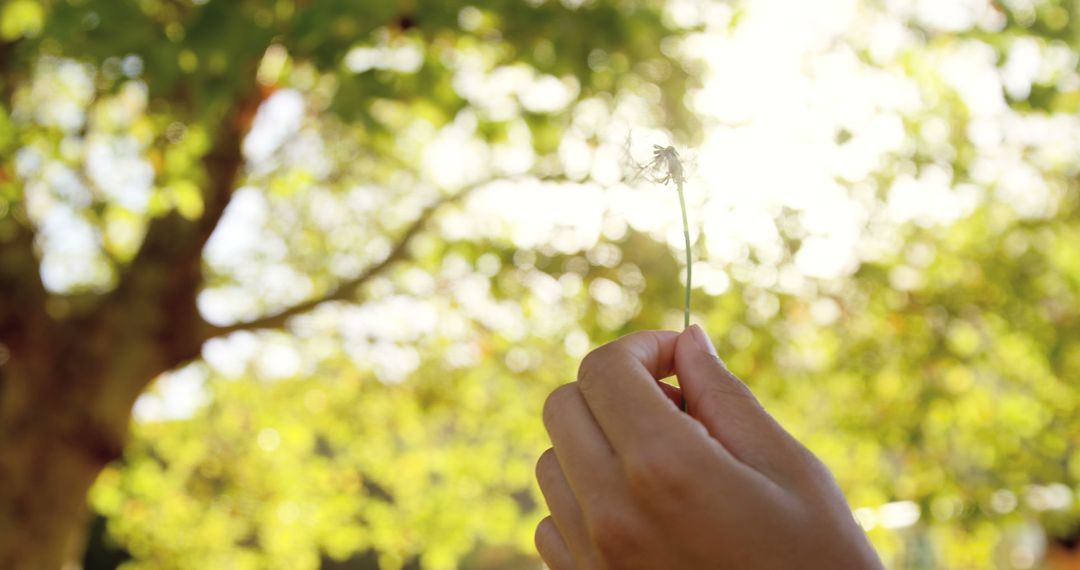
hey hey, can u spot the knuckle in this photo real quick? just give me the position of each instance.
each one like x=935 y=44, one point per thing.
x=597 y=361
x=556 y=402
x=658 y=477
x=616 y=538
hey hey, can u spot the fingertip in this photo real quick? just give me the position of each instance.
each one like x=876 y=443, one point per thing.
x=702 y=340
x=618 y=382
x=655 y=350
x=695 y=342
x=696 y=364
x=551 y=545
x=686 y=348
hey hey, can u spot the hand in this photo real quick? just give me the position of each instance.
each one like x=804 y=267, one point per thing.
x=633 y=482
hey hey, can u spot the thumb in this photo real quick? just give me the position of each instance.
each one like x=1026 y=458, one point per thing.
x=726 y=407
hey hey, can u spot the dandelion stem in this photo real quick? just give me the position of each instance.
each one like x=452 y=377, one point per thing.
x=689 y=259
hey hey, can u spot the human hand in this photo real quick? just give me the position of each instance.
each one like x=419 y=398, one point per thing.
x=633 y=482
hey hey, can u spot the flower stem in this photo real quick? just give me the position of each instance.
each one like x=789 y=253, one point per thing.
x=689 y=259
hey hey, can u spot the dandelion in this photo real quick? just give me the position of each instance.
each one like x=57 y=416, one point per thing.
x=667 y=168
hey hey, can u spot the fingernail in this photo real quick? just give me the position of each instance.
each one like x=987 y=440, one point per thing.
x=702 y=340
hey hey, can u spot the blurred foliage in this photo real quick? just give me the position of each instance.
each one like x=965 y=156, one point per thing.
x=409 y=444
x=943 y=372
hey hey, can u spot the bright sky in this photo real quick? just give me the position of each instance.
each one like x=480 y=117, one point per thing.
x=777 y=91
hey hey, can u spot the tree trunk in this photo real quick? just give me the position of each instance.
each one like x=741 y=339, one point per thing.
x=58 y=429
x=44 y=511
x=71 y=368
x=52 y=447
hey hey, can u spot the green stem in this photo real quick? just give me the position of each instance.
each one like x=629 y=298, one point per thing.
x=689 y=266
x=689 y=260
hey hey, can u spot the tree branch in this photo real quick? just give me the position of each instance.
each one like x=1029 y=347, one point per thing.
x=171 y=236
x=23 y=317
x=158 y=290
x=224 y=164
x=7 y=87
x=348 y=289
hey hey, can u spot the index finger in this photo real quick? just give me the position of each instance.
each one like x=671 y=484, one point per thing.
x=619 y=383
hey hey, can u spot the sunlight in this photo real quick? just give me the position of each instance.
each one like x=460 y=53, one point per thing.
x=802 y=124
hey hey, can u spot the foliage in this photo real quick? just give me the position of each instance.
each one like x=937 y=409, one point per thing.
x=403 y=418
x=124 y=116
x=943 y=372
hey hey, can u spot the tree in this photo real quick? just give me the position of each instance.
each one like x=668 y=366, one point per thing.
x=173 y=88
x=399 y=424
